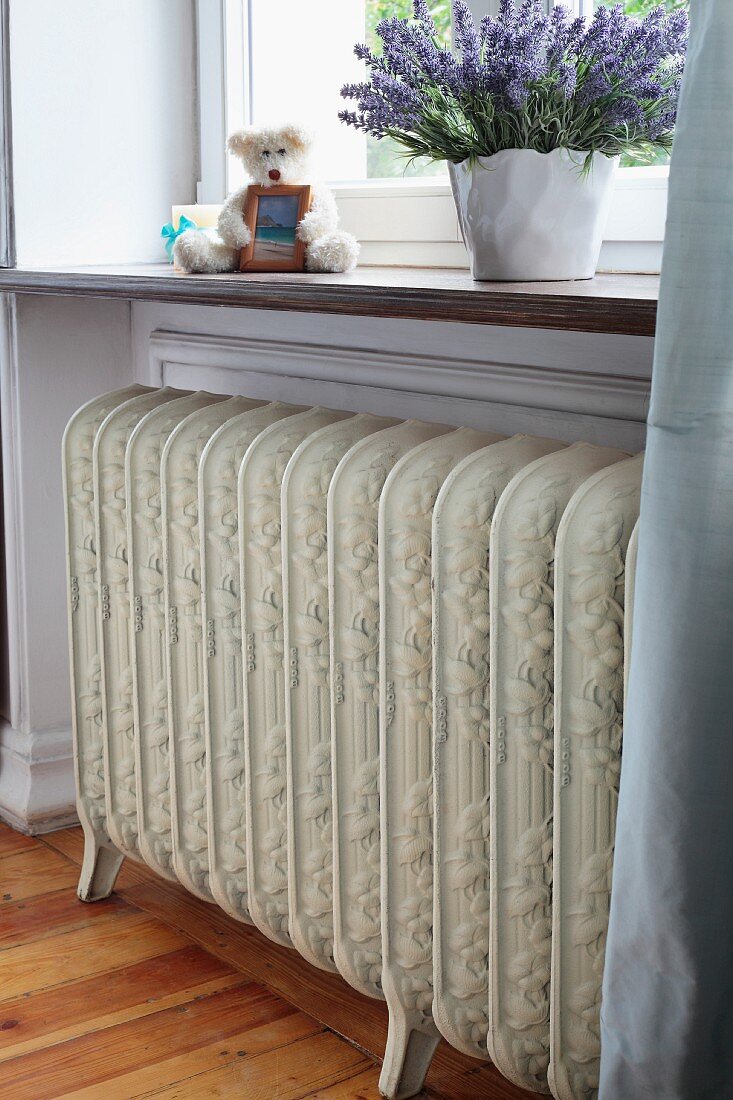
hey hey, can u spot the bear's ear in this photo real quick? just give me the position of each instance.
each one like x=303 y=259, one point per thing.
x=240 y=141
x=298 y=137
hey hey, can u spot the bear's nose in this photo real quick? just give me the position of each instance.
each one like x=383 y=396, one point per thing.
x=274 y=174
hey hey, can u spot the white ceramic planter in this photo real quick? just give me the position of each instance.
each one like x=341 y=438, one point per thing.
x=528 y=216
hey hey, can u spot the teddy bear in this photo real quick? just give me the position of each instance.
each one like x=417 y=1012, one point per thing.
x=270 y=157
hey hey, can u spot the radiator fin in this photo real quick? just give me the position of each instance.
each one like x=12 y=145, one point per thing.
x=353 y=511
x=219 y=537
x=592 y=545
x=149 y=643
x=83 y=603
x=521 y=605
x=461 y=564
x=260 y=484
x=307 y=682
x=179 y=468
x=405 y=728
x=110 y=505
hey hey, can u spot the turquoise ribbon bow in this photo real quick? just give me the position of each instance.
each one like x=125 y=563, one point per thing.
x=170 y=235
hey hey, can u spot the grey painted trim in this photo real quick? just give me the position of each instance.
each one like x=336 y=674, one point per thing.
x=7 y=220
x=499 y=396
x=14 y=626
x=532 y=386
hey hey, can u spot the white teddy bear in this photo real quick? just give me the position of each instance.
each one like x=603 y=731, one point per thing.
x=270 y=157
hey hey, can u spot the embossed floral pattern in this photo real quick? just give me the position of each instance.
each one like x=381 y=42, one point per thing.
x=359 y=648
x=91 y=751
x=79 y=486
x=410 y=663
x=465 y=600
x=114 y=574
x=528 y=615
x=148 y=585
x=89 y=708
x=225 y=663
x=595 y=631
x=187 y=655
x=309 y=577
x=265 y=607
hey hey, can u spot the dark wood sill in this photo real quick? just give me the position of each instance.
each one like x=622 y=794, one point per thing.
x=608 y=303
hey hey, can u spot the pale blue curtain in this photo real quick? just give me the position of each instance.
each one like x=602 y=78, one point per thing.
x=667 y=1013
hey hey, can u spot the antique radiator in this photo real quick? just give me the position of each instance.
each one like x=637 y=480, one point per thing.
x=360 y=682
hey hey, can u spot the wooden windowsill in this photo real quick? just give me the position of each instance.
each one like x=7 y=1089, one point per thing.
x=609 y=303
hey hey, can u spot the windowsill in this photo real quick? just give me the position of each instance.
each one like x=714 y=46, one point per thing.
x=611 y=303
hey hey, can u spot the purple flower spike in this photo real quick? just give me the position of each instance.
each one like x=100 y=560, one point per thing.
x=523 y=80
x=422 y=15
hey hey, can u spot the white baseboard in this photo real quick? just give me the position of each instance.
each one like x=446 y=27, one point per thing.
x=36 y=779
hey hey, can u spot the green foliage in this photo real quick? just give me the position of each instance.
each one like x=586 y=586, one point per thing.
x=643 y=7
x=386 y=159
x=376 y=10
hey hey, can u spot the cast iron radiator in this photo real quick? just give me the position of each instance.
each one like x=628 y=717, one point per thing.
x=360 y=682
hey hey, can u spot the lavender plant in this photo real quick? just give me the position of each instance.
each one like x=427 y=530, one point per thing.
x=525 y=80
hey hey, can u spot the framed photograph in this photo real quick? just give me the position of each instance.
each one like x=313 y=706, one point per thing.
x=272 y=214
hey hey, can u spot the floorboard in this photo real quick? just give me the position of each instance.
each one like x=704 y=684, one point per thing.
x=11 y=841
x=37 y=871
x=187 y=1070
x=153 y=993
x=47 y=915
x=49 y=1016
x=361 y=1087
x=287 y=1073
x=220 y=1020
x=84 y=952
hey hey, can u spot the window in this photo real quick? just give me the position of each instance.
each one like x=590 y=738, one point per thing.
x=296 y=57
x=297 y=53
x=287 y=59
x=385 y=159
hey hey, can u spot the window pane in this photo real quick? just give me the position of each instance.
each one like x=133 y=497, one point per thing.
x=385 y=158
x=301 y=54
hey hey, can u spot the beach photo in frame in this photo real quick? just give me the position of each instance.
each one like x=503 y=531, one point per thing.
x=272 y=215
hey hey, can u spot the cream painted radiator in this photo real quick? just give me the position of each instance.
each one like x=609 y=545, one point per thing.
x=360 y=682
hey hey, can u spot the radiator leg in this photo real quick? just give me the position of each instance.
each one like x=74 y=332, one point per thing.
x=408 y=1054
x=99 y=868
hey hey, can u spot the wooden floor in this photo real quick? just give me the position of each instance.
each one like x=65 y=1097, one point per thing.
x=154 y=993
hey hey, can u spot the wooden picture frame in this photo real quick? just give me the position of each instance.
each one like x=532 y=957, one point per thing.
x=275 y=249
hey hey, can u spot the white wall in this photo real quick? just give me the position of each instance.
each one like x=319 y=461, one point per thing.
x=104 y=126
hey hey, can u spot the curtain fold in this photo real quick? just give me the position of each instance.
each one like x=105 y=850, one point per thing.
x=667 y=1011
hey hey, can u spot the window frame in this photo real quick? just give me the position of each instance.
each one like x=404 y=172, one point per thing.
x=7 y=221
x=634 y=234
